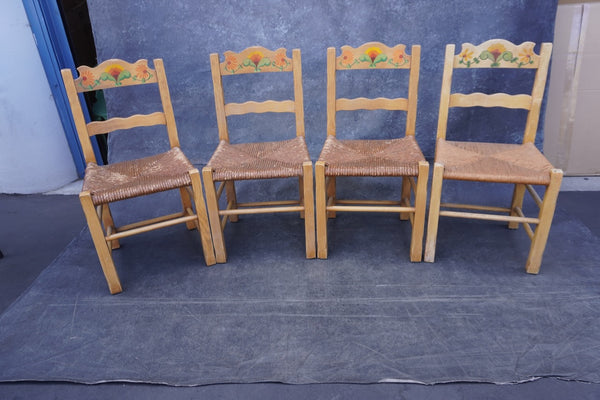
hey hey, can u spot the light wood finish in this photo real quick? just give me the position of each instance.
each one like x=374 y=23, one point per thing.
x=170 y=170
x=370 y=56
x=512 y=167
x=257 y=59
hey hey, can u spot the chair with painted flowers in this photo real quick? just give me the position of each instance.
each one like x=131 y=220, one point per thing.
x=262 y=160
x=106 y=184
x=372 y=156
x=518 y=164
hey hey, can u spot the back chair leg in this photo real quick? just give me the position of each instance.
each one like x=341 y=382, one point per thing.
x=186 y=202
x=309 y=210
x=301 y=186
x=517 y=202
x=331 y=188
x=321 y=205
x=540 y=236
x=212 y=205
x=434 y=212
x=416 y=242
x=202 y=219
x=102 y=247
x=107 y=221
x=405 y=196
x=231 y=198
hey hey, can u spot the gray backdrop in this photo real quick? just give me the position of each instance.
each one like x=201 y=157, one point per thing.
x=185 y=32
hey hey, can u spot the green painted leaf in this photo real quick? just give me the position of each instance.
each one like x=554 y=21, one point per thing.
x=507 y=56
x=380 y=58
x=486 y=55
x=124 y=75
x=247 y=62
x=105 y=76
x=364 y=58
x=264 y=62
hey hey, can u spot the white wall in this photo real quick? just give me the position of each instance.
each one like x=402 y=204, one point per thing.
x=572 y=133
x=34 y=154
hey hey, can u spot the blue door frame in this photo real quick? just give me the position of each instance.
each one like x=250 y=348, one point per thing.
x=55 y=53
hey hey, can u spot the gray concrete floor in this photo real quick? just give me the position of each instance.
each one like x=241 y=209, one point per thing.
x=35 y=228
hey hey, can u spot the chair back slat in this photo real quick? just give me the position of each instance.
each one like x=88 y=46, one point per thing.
x=522 y=101
x=373 y=55
x=113 y=124
x=115 y=73
x=256 y=59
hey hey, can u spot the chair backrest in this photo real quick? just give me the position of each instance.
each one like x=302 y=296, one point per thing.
x=496 y=53
x=254 y=60
x=373 y=55
x=112 y=74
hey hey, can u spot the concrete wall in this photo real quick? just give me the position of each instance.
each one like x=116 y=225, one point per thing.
x=34 y=155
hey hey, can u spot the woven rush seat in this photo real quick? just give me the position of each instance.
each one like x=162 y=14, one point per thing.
x=132 y=178
x=264 y=160
x=493 y=162
x=392 y=157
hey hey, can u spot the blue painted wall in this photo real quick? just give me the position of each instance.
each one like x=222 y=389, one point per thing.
x=185 y=32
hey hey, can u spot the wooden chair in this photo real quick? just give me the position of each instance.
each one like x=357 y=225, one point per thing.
x=262 y=160
x=103 y=185
x=399 y=157
x=520 y=164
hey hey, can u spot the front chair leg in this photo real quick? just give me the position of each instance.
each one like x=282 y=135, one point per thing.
x=540 y=236
x=102 y=247
x=186 y=202
x=309 y=211
x=231 y=198
x=202 y=219
x=416 y=242
x=434 y=211
x=321 y=205
x=405 y=197
x=212 y=205
x=107 y=221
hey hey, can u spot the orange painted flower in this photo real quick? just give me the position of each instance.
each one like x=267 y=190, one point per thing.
x=255 y=57
x=114 y=70
x=373 y=52
x=399 y=57
x=466 y=55
x=88 y=80
x=280 y=60
x=526 y=55
x=231 y=62
x=142 y=73
x=496 y=49
x=347 y=57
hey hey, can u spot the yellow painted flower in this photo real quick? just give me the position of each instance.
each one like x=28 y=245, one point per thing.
x=114 y=70
x=373 y=52
x=526 y=55
x=231 y=62
x=255 y=57
x=347 y=57
x=496 y=49
x=466 y=55
x=280 y=60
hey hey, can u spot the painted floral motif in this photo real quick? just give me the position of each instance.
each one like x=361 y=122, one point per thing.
x=347 y=59
x=256 y=59
x=142 y=73
x=280 y=60
x=374 y=55
x=497 y=53
x=398 y=58
x=88 y=80
x=115 y=73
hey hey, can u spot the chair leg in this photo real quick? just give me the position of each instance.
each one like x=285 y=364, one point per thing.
x=186 y=202
x=434 y=211
x=107 y=220
x=405 y=196
x=321 y=206
x=202 y=219
x=212 y=205
x=416 y=241
x=540 y=236
x=102 y=247
x=301 y=186
x=231 y=198
x=517 y=202
x=309 y=209
x=330 y=194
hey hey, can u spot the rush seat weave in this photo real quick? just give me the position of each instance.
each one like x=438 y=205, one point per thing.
x=393 y=157
x=132 y=178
